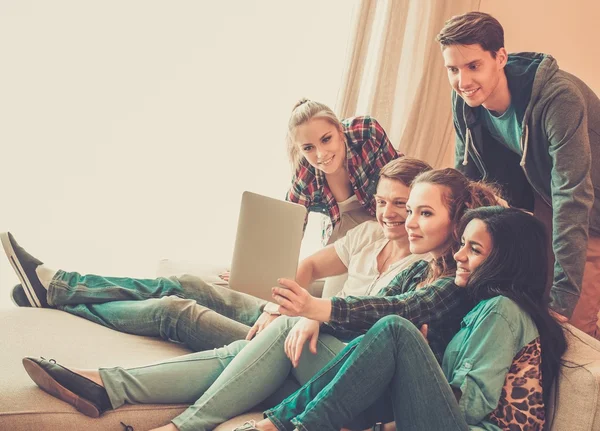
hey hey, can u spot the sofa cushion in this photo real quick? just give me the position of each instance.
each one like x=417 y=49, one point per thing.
x=576 y=404
x=76 y=342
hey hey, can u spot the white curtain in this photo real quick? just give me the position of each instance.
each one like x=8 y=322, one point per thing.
x=396 y=74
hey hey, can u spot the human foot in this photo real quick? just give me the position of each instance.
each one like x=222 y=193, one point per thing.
x=93 y=375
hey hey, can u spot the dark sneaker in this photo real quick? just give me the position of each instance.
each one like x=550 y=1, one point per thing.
x=18 y=296
x=86 y=396
x=24 y=265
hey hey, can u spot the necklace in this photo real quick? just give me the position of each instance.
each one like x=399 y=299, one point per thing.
x=385 y=261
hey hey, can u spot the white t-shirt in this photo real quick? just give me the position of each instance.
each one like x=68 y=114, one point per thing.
x=358 y=251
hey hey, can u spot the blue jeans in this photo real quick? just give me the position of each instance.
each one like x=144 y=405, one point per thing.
x=393 y=356
x=186 y=309
x=221 y=383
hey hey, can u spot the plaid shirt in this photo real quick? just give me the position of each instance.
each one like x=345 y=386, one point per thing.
x=368 y=149
x=441 y=304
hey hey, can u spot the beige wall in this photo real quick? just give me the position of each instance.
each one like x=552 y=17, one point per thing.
x=566 y=29
x=129 y=129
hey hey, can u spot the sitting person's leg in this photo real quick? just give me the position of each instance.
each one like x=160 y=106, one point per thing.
x=259 y=370
x=253 y=375
x=394 y=353
x=379 y=412
x=170 y=318
x=70 y=288
x=45 y=287
x=73 y=288
x=179 y=380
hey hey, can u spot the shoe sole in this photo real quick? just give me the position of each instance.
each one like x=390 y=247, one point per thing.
x=12 y=258
x=48 y=384
x=12 y=298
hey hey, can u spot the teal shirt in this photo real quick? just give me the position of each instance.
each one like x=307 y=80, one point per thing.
x=505 y=128
x=479 y=356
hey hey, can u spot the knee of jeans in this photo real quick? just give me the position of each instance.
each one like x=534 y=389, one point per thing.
x=235 y=347
x=192 y=280
x=394 y=324
x=230 y=350
x=172 y=306
x=283 y=323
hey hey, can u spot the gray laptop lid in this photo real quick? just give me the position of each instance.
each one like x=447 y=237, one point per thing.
x=267 y=244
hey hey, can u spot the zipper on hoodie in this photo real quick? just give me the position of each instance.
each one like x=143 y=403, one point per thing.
x=525 y=143
x=476 y=156
x=525 y=134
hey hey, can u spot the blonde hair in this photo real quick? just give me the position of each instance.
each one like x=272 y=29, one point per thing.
x=304 y=111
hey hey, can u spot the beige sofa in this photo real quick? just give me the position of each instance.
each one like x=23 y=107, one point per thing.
x=80 y=343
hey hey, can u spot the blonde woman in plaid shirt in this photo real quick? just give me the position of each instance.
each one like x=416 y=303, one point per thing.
x=336 y=165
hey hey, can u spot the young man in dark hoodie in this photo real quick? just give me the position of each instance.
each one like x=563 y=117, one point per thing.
x=533 y=129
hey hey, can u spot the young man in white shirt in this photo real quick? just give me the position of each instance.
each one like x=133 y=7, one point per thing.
x=204 y=316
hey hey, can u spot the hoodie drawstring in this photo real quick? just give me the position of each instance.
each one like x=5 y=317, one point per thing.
x=524 y=146
x=467 y=143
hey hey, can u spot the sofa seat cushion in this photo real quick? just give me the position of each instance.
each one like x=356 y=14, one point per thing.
x=76 y=342
x=576 y=404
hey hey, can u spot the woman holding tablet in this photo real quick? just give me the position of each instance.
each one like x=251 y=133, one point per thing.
x=491 y=374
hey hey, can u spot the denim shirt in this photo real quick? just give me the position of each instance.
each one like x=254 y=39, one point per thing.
x=480 y=354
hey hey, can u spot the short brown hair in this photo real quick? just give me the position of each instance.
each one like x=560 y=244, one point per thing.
x=404 y=169
x=473 y=28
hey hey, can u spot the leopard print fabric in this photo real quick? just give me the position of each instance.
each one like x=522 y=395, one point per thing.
x=521 y=406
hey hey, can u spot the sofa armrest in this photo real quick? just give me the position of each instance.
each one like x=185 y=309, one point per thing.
x=575 y=406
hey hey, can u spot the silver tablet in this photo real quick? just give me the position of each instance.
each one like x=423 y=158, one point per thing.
x=267 y=244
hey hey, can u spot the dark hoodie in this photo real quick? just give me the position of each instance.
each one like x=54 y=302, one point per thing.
x=560 y=118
